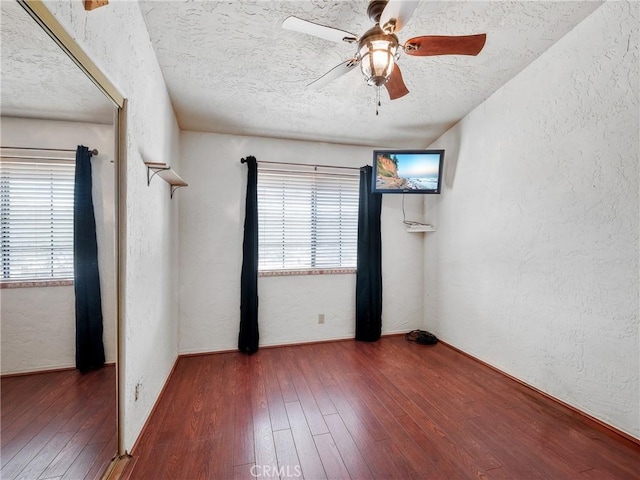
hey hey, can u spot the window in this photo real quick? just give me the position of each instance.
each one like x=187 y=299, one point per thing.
x=307 y=220
x=36 y=218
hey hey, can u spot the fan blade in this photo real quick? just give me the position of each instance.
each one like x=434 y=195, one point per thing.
x=440 y=45
x=395 y=85
x=396 y=14
x=328 y=33
x=334 y=73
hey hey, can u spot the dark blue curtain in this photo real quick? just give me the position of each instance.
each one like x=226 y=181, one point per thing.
x=89 y=346
x=249 y=335
x=369 y=275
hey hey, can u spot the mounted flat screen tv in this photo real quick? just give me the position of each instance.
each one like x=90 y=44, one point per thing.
x=407 y=171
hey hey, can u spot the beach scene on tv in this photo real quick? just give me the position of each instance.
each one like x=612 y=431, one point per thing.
x=407 y=171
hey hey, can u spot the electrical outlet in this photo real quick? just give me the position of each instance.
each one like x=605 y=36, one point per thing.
x=321 y=318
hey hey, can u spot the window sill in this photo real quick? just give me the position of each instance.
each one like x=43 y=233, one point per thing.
x=315 y=271
x=36 y=283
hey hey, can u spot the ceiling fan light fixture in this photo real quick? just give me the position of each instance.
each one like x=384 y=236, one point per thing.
x=378 y=48
x=377 y=59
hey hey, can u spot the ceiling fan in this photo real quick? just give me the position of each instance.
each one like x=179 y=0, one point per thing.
x=378 y=48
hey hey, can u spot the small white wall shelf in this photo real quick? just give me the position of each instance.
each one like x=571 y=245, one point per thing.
x=165 y=172
x=419 y=228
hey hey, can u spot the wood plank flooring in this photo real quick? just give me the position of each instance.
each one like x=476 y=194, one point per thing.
x=58 y=425
x=390 y=409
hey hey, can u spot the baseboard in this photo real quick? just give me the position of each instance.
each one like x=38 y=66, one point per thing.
x=47 y=370
x=119 y=469
x=307 y=342
x=586 y=418
x=153 y=409
x=394 y=333
x=199 y=353
x=285 y=344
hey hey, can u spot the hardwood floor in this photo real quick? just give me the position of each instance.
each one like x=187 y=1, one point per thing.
x=390 y=409
x=58 y=425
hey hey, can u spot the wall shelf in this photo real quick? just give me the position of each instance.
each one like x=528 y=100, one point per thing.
x=165 y=172
x=420 y=228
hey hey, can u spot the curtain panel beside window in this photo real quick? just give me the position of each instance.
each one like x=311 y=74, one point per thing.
x=369 y=274
x=249 y=336
x=89 y=345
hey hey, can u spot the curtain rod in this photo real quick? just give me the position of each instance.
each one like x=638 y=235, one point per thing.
x=93 y=152
x=242 y=160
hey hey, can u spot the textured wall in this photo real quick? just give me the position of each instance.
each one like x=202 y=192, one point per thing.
x=115 y=37
x=211 y=226
x=534 y=267
x=38 y=324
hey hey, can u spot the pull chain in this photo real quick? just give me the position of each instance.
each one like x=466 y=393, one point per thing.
x=377 y=100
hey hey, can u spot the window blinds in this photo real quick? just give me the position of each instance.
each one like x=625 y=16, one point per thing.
x=36 y=224
x=307 y=220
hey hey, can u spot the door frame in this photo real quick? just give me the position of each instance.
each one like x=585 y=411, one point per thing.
x=40 y=13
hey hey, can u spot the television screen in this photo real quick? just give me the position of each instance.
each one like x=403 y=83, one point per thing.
x=407 y=171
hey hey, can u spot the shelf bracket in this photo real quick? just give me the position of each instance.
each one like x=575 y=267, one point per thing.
x=175 y=187
x=155 y=171
x=165 y=172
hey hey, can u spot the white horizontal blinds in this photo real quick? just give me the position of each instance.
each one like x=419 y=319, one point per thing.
x=36 y=224
x=336 y=221
x=284 y=220
x=307 y=219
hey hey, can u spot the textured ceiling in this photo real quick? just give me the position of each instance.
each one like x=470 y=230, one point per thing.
x=231 y=68
x=38 y=79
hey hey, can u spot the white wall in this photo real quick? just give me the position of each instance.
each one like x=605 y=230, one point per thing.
x=116 y=39
x=38 y=324
x=211 y=226
x=534 y=267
